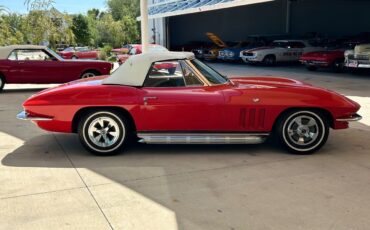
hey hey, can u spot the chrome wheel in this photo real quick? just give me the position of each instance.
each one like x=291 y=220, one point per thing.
x=88 y=74
x=104 y=132
x=303 y=130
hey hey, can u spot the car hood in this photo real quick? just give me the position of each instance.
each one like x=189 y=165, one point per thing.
x=275 y=83
x=261 y=48
x=362 y=49
x=235 y=49
x=267 y=82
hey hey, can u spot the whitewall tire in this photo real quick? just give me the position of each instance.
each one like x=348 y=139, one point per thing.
x=302 y=131
x=103 y=132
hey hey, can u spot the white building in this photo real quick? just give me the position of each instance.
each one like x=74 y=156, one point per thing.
x=177 y=22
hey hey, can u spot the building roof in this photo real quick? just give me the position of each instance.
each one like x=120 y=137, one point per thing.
x=166 y=8
x=6 y=50
x=134 y=71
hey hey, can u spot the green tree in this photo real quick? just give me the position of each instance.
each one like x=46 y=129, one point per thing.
x=81 y=29
x=121 y=8
x=10 y=28
x=93 y=13
x=44 y=22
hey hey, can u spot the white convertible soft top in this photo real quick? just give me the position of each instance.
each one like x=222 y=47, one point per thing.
x=6 y=50
x=134 y=71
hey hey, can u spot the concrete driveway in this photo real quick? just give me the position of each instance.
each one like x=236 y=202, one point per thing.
x=48 y=181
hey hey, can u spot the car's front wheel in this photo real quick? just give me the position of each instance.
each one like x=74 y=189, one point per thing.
x=103 y=132
x=269 y=60
x=302 y=131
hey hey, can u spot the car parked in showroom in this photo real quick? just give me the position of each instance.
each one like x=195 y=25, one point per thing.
x=193 y=105
x=211 y=54
x=279 y=51
x=38 y=64
x=324 y=59
x=233 y=53
x=332 y=58
x=79 y=53
x=358 y=58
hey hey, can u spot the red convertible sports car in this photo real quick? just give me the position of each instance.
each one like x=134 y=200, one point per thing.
x=333 y=58
x=39 y=64
x=193 y=105
x=79 y=53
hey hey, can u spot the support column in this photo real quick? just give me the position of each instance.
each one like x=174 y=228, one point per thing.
x=144 y=25
x=288 y=16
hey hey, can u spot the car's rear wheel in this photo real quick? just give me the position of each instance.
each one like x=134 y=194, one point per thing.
x=269 y=60
x=103 y=132
x=2 y=83
x=74 y=57
x=89 y=73
x=302 y=131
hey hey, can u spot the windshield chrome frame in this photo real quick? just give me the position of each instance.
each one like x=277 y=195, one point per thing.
x=203 y=78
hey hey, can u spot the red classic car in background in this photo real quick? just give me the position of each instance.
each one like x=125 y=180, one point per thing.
x=79 y=53
x=193 y=105
x=333 y=58
x=39 y=64
x=324 y=59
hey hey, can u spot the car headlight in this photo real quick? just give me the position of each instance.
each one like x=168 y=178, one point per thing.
x=349 y=52
x=230 y=54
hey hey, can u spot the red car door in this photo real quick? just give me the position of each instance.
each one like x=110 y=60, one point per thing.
x=34 y=66
x=181 y=109
x=170 y=102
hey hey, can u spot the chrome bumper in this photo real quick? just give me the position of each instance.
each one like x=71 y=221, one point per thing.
x=25 y=116
x=354 y=117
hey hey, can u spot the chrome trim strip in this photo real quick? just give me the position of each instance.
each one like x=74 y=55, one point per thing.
x=25 y=116
x=202 y=138
x=354 y=117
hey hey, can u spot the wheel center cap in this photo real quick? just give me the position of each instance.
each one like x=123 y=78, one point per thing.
x=103 y=131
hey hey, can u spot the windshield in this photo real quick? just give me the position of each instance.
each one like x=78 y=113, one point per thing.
x=212 y=75
x=54 y=54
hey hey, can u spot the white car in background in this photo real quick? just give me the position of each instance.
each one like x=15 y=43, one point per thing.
x=279 y=51
x=359 y=57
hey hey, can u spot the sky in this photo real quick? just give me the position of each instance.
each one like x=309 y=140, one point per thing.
x=69 y=6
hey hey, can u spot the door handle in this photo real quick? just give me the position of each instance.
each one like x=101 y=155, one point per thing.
x=146 y=99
